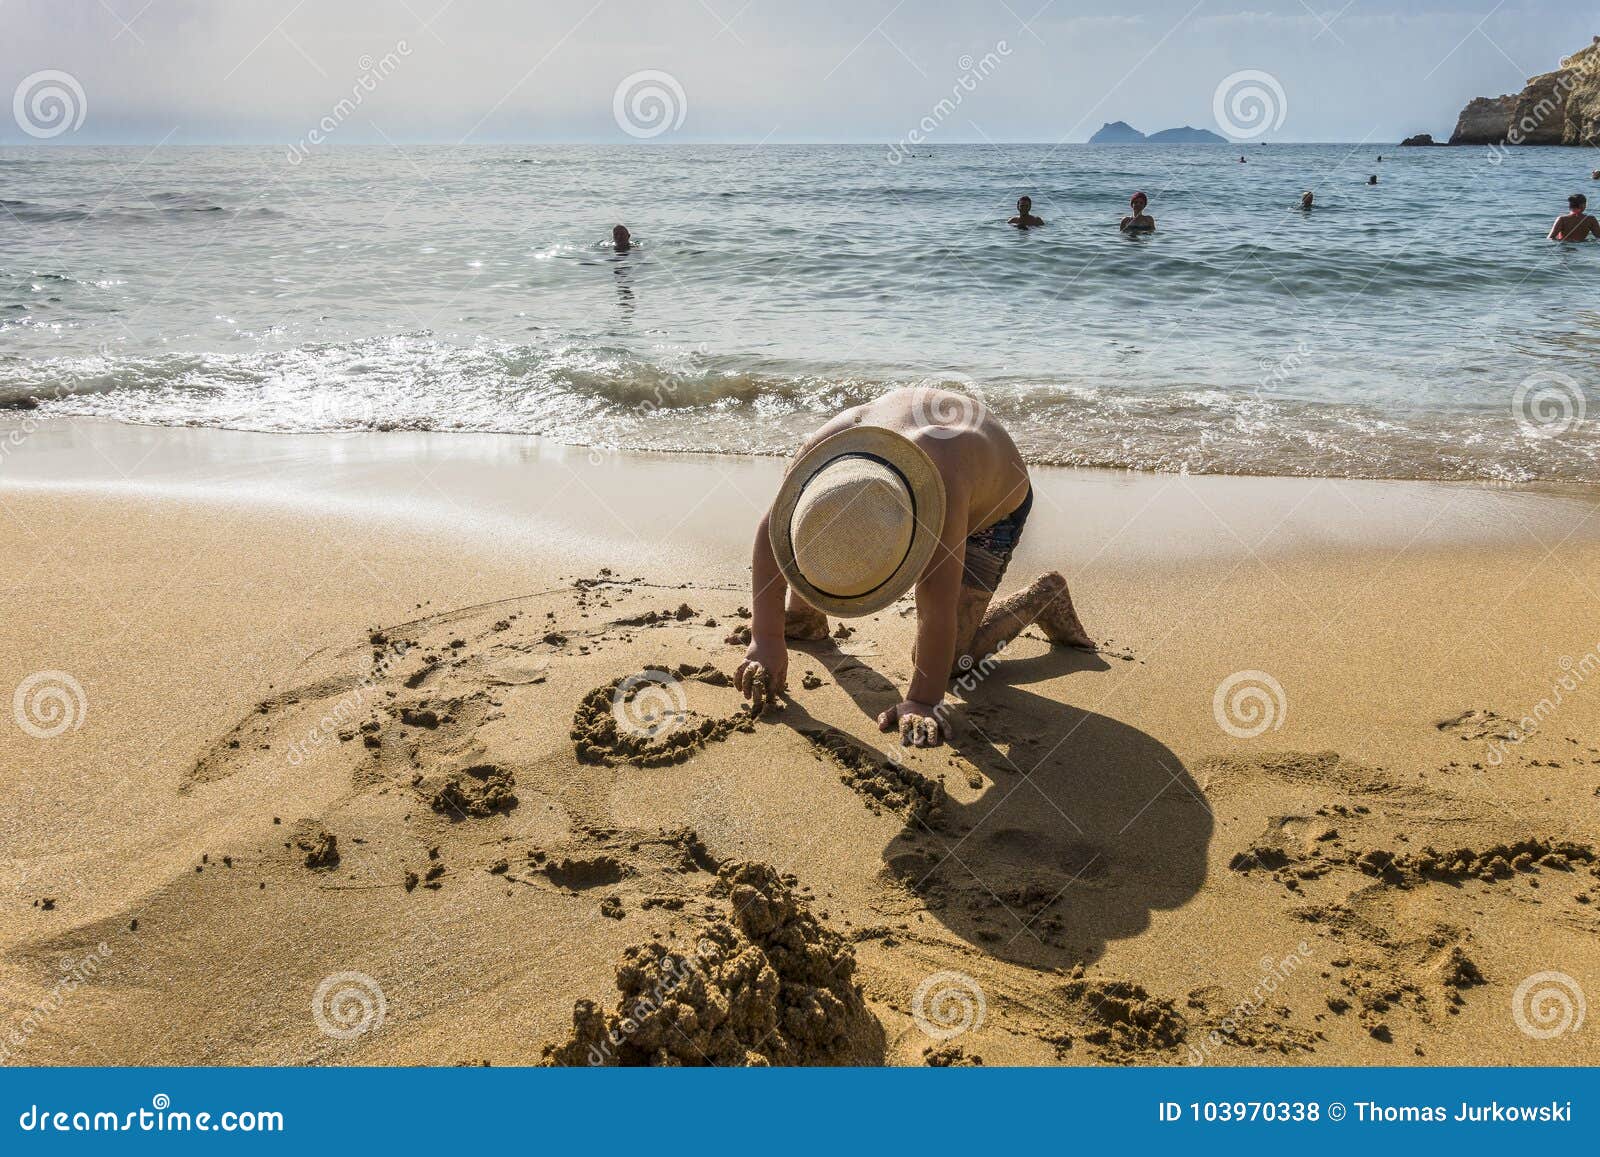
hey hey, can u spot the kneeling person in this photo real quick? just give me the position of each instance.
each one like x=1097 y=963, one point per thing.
x=921 y=488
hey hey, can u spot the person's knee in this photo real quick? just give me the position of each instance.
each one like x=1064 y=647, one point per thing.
x=1052 y=581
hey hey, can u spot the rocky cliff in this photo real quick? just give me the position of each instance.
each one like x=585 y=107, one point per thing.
x=1556 y=108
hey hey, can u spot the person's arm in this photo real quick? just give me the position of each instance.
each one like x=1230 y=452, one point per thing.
x=766 y=662
x=1555 y=230
x=938 y=592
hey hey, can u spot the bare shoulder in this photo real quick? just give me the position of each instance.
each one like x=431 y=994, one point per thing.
x=843 y=420
x=978 y=460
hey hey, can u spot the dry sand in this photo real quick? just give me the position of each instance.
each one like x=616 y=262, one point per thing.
x=346 y=746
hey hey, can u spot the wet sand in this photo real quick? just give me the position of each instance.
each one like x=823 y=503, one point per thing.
x=332 y=758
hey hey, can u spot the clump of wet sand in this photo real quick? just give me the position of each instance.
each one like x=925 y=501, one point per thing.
x=613 y=723
x=765 y=983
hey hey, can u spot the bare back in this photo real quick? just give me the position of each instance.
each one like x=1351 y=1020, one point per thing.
x=962 y=437
x=1577 y=226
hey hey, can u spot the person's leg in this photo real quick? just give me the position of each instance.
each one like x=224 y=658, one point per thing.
x=1047 y=602
x=803 y=621
x=970 y=611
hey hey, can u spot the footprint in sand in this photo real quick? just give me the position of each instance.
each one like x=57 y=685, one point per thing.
x=1478 y=723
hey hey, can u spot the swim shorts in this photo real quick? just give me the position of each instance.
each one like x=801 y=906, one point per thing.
x=989 y=550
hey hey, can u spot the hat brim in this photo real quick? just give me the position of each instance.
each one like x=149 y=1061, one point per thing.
x=924 y=483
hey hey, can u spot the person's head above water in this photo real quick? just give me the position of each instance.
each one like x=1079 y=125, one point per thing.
x=1138 y=221
x=1306 y=199
x=1372 y=180
x=620 y=237
x=1577 y=202
x=1025 y=217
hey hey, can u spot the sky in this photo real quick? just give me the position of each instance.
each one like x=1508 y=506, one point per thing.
x=324 y=73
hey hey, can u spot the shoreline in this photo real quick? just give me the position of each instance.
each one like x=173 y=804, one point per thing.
x=11 y=418
x=216 y=595
x=435 y=475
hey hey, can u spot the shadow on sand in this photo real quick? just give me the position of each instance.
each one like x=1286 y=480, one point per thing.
x=1086 y=826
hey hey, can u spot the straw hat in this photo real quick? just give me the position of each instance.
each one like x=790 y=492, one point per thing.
x=856 y=520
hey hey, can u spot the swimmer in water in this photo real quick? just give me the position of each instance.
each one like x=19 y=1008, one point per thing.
x=1025 y=218
x=1306 y=199
x=621 y=239
x=1242 y=161
x=1372 y=180
x=1139 y=221
x=1577 y=225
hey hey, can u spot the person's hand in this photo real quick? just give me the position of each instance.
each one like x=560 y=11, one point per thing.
x=764 y=674
x=919 y=723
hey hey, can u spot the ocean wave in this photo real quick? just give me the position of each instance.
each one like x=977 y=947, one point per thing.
x=688 y=400
x=160 y=207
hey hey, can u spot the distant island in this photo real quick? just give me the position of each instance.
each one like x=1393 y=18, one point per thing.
x=1122 y=133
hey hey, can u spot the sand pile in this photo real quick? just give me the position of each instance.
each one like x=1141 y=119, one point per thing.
x=480 y=790
x=765 y=983
x=320 y=847
x=1123 y=1021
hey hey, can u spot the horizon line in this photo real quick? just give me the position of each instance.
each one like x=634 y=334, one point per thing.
x=728 y=142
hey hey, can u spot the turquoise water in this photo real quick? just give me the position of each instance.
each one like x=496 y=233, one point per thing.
x=1419 y=328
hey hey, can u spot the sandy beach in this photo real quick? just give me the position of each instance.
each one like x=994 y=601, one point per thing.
x=324 y=767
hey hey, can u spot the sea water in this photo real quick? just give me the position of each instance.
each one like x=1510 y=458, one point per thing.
x=1421 y=327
